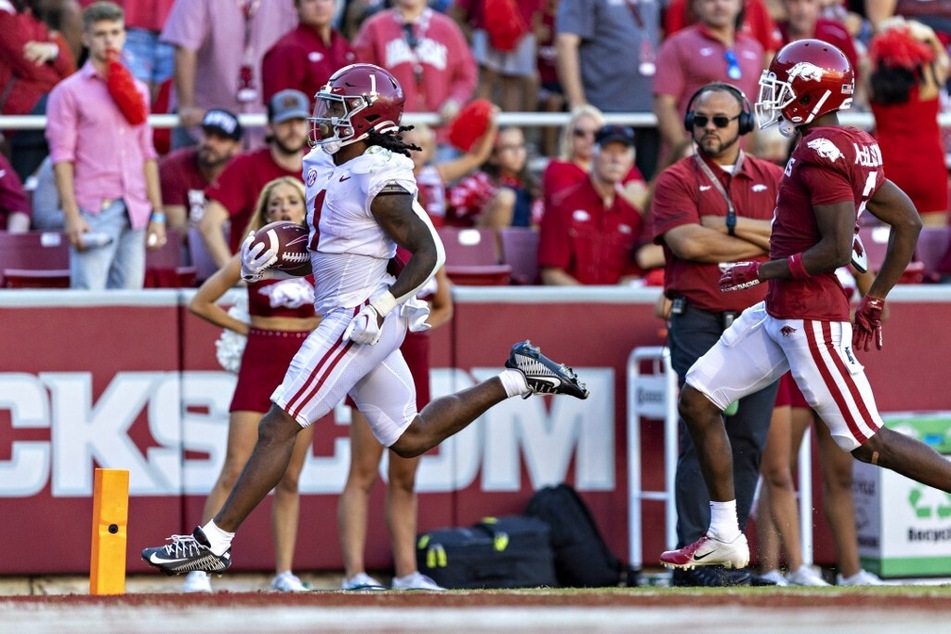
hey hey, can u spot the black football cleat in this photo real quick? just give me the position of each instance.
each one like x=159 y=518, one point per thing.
x=186 y=553
x=543 y=375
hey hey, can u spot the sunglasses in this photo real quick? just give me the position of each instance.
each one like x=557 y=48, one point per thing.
x=733 y=65
x=578 y=132
x=720 y=120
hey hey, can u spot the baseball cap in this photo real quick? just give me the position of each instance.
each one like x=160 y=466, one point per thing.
x=288 y=104
x=614 y=134
x=223 y=122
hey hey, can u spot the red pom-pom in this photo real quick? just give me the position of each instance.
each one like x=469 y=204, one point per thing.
x=471 y=124
x=290 y=239
x=121 y=87
x=897 y=48
x=504 y=24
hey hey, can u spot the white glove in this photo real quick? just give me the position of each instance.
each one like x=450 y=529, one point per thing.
x=255 y=261
x=364 y=328
x=415 y=312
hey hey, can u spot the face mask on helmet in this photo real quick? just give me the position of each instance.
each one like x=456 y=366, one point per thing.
x=774 y=95
x=331 y=128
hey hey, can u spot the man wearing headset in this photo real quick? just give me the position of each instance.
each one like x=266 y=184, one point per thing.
x=709 y=210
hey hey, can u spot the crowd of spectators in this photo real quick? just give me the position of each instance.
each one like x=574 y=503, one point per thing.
x=209 y=61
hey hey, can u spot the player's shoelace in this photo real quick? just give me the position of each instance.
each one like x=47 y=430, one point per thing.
x=182 y=546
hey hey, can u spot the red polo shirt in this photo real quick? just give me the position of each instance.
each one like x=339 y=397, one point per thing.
x=693 y=57
x=302 y=61
x=591 y=242
x=683 y=194
x=239 y=186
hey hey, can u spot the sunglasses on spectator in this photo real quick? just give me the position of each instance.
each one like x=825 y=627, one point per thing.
x=579 y=132
x=733 y=64
x=720 y=120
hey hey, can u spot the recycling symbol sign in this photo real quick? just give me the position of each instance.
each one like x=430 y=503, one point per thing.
x=928 y=503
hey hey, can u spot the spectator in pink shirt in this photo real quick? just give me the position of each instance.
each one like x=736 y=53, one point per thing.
x=305 y=58
x=104 y=161
x=426 y=52
x=219 y=45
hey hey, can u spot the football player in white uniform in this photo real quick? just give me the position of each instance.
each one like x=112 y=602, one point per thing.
x=361 y=205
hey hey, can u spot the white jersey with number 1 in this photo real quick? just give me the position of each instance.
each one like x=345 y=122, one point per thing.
x=349 y=249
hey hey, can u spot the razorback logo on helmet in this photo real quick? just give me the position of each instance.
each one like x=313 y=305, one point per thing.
x=825 y=148
x=807 y=71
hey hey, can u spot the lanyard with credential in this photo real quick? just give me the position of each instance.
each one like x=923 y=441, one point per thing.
x=247 y=91
x=730 y=210
x=647 y=59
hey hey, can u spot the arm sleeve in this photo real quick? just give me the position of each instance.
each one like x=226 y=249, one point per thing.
x=363 y=43
x=465 y=75
x=669 y=79
x=61 y=131
x=576 y=17
x=186 y=25
x=12 y=40
x=672 y=205
x=826 y=186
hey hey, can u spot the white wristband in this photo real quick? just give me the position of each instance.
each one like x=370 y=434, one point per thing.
x=383 y=303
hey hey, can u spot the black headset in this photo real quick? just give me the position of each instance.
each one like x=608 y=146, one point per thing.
x=747 y=120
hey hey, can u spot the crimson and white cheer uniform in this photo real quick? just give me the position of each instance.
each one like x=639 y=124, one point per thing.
x=804 y=324
x=349 y=257
x=268 y=352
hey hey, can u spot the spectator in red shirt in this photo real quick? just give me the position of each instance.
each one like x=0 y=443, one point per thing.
x=232 y=197
x=712 y=50
x=589 y=234
x=185 y=173
x=503 y=193
x=574 y=159
x=755 y=22
x=906 y=85
x=14 y=211
x=305 y=58
x=32 y=61
x=575 y=148
x=426 y=52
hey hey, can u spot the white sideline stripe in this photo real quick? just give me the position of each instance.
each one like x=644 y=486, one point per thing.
x=208 y=620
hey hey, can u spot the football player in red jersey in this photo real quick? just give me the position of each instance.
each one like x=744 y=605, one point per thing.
x=361 y=204
x=834 y=175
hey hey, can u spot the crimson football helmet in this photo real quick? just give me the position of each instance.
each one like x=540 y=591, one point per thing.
x=356 y=99
x=805 y=80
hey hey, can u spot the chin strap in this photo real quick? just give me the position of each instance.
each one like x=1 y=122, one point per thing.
x=787 y=129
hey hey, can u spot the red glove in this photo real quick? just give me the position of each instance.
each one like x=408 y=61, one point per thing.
x=739 y=276
x=868 y=323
